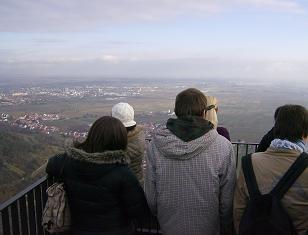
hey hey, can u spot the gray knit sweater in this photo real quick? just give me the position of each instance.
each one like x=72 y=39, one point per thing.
x=189 y=185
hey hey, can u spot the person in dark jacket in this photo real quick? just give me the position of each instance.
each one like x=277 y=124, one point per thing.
x=268 y=137
x=103 y=194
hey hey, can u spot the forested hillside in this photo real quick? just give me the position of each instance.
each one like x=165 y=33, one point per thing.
x=23 y=155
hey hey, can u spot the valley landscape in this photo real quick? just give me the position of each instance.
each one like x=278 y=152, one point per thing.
x=37 y=118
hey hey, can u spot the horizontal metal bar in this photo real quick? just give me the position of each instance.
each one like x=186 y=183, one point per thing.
x=22 y=193
x=244 y=143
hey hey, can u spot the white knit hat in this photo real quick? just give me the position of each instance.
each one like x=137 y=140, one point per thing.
x=125 y=113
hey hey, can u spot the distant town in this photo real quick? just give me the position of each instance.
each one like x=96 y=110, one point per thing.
x=32 y=122
x=42 y=94
x=35 y=121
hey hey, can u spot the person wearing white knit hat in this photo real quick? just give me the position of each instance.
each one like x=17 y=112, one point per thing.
x=125 y=113
x=136 y=137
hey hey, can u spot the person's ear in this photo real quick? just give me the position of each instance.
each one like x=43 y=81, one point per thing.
x=216 y=109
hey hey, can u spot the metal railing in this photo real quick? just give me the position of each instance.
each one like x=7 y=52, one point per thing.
x=242 y=149
x=21 y=215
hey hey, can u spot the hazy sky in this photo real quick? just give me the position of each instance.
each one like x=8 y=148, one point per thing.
x=253 y=39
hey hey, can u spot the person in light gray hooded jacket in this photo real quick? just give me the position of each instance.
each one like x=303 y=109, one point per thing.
x=190 y=172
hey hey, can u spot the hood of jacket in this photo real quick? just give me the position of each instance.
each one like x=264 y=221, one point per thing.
x=107 y=157
x=189 y=128
x=135 y=132
x=92 y=166
x=172 y=147
x=136 y=143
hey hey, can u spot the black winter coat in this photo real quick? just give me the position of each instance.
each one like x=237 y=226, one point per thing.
x=266 y=141
x=104 y=195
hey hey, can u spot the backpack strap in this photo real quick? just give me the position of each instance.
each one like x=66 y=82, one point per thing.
x=250 y=177
x=288 y=179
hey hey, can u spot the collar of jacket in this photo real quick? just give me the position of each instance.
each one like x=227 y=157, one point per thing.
x=282 y=152
x=189 y=128
x=135 y=131
x=107 y=157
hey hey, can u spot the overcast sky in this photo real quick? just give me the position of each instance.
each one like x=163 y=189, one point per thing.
x=251 y=39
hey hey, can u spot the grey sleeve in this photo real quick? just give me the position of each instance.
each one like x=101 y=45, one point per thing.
x=150 y=180
x=227 y=183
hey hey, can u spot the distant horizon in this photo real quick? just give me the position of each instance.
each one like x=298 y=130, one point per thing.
x=22 y=81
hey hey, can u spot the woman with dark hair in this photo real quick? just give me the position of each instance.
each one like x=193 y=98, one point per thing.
x=103 y=194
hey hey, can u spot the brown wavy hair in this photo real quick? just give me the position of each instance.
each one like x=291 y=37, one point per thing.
x=106 y=133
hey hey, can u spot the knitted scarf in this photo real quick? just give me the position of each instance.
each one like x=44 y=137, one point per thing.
x=286 y=144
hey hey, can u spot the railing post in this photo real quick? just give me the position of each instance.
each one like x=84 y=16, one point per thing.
x=237 y=153
x=15 y=218
x=31 y=210
x=38 y=209
x=23 y=215
x=6 y=221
